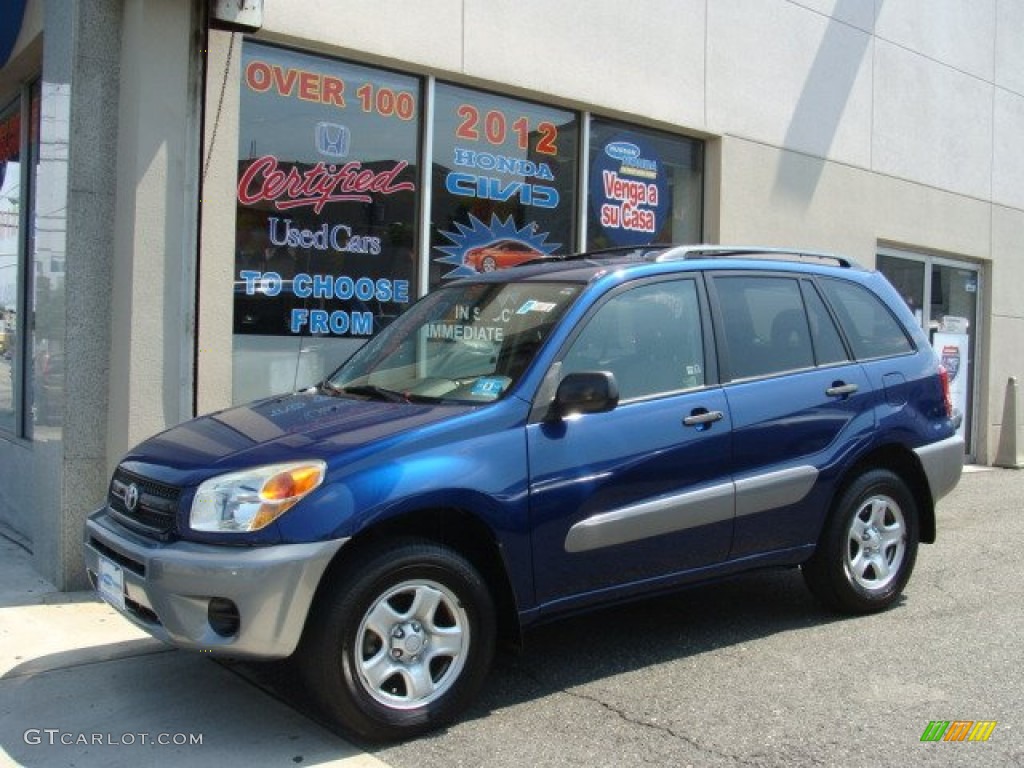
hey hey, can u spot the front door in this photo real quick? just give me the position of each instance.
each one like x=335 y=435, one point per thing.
x=642 y=492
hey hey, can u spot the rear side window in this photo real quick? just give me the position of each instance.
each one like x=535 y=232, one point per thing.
x=870 y=327
x=765 y=326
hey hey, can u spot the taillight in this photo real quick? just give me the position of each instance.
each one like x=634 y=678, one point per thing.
x=947 y=396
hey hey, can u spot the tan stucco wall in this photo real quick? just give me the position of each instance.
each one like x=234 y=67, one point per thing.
x=217 y=234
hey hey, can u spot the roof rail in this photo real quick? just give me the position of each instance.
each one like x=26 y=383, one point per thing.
x=615 y=250
x=718 y=251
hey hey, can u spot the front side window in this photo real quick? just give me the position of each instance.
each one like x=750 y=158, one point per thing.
x=649 y=337
x=466 y=343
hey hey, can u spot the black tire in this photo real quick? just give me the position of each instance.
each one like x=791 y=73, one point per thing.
x=438 y=615
x=867 y=551
x=489 y=264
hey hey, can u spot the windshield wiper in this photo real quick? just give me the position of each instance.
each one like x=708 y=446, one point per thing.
x=371 y=390
x=330 y=389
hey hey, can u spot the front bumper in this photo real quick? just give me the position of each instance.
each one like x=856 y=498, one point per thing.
x=168 y=588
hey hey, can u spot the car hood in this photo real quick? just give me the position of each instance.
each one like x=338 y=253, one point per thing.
x=295 y=426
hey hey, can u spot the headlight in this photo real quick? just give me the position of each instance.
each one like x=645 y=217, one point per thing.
x=250 y=500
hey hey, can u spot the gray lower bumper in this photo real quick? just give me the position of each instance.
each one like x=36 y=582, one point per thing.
x=168 y=587
x=943 y=463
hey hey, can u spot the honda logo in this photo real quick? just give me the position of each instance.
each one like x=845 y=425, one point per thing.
x=332 y=139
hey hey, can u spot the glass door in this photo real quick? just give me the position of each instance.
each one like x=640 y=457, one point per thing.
x=943 y=295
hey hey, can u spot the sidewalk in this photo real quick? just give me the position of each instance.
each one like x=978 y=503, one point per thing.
x=81 y=686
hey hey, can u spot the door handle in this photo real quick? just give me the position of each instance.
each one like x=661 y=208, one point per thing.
x=702 y=418
x=839 y=389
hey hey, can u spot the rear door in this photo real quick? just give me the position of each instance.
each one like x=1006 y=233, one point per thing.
x=797 y=400
x=642 y=492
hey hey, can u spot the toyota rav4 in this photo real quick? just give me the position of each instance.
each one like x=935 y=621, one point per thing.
x=536 y=441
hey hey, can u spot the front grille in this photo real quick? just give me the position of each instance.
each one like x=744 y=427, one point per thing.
x=156 y=504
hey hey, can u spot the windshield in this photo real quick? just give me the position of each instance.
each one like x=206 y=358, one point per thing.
x=464 y=343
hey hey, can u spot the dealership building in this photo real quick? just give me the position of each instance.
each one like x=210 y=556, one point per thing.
x=206 y=202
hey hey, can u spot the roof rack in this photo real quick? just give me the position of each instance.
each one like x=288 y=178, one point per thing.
x=662 y=252
x=718 y=251
x=615 y=250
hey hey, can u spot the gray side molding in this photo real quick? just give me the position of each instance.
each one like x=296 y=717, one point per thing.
x=668 y=514
x=773 y=489
x=692 y=509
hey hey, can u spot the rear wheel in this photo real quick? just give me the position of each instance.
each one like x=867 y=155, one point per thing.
x=868 y=548
x=401 y=642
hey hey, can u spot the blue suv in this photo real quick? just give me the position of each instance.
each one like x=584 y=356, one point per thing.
x=536 y=441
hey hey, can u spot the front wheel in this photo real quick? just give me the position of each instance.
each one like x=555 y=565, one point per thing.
x=868 y=548
x=400 y=642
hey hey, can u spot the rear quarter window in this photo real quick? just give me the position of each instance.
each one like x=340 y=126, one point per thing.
x=869 y=325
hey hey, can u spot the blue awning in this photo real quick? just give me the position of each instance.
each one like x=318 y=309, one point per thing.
x=14 y=11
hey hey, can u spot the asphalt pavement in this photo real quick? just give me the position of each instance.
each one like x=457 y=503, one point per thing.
x=753 y=672
x=749 y=672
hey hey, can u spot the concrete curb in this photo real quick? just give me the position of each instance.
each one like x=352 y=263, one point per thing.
x=82 y=686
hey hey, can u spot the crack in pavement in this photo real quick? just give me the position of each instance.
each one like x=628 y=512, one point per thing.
x=630 y=719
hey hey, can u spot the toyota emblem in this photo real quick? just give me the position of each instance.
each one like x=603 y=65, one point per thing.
x=131 y=497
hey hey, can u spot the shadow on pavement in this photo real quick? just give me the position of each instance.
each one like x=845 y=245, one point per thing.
x=602 y=644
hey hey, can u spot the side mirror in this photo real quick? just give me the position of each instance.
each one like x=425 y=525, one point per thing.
x=585 y=392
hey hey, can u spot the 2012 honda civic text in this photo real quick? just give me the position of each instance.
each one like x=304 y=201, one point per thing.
x=535 y=441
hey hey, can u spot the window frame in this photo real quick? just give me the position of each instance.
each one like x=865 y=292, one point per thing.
x=21 y=103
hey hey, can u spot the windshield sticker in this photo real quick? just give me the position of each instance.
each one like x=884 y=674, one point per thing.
x=488 y=387
x=536 y=306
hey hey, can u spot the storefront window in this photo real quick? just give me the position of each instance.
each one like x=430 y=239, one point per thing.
x=504 y=182
x=327 y=209
x=17 y=147
x=644 y=186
